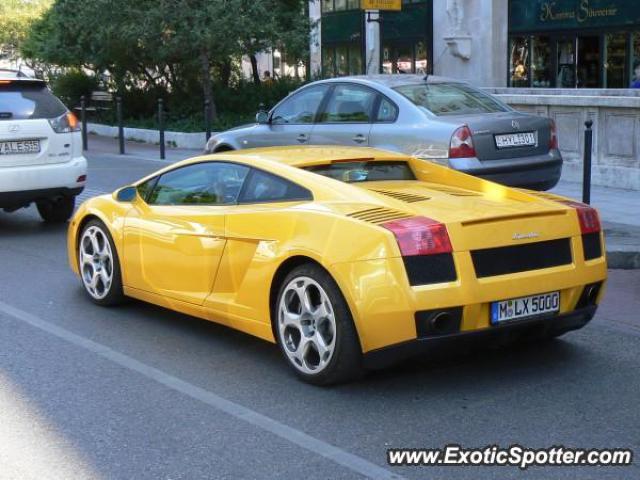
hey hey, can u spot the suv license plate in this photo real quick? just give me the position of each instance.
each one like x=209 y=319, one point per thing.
x=525 y=307
x=16 y=147
x=526 y=139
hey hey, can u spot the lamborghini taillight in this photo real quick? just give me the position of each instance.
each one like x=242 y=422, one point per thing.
x=587 y=216
x=420 y=236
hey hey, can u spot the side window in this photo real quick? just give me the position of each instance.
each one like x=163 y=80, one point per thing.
x=209 y=183
x=387 y=111
x=265 y=187
x=349 y=104
x=301 y=107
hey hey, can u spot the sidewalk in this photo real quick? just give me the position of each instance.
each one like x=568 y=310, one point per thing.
x=619 y=209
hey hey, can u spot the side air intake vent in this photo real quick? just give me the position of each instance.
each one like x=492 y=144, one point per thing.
x=403 y=197
x=378 y=215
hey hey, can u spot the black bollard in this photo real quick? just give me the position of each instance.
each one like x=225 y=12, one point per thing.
x=161 y=126
x=120 y=126
x=83 y=120
x=207 y=119
x=586 y=178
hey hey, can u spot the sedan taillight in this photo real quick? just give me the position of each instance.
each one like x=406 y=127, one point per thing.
x=420 y=236
x=553 y=138
x=461 y=145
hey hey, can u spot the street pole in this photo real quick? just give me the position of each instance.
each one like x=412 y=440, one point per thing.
x=161 y=126
x=207 y=118
x=83 y=120
x=120 y=126
x=586 y=177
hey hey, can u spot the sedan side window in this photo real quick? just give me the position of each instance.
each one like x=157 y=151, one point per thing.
x=300 y=108
x=349 y=104
x=207 y=183
x=387 y=111
x=265 y=187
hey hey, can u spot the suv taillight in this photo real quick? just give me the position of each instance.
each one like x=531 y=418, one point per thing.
x=65 y=123
x=420 y=236
x=588 y=217
x=553 y=138
x=461 y=145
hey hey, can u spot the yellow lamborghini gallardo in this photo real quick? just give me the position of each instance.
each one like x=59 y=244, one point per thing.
x=347 y=258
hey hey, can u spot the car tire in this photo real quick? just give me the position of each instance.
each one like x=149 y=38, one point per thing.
x=316 y=334
x=99 y=265
x=57 y=210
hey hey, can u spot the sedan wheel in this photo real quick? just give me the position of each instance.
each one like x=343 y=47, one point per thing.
x=98 y=264
x=315 y=329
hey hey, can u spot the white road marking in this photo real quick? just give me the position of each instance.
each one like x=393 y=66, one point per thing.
x=337 y=455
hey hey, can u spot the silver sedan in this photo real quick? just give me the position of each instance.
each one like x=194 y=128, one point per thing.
x=434 y=118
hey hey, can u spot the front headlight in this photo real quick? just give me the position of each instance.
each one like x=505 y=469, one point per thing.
x=65 y=123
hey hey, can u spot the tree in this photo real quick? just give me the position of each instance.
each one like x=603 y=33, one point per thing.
x=16 y=18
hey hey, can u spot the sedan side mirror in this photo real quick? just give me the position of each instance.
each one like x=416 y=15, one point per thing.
x=126 y=194
x=262 y=117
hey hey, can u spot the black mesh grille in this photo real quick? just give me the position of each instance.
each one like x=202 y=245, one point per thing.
x=591 y=246
x=521 y=258
x=426 y=269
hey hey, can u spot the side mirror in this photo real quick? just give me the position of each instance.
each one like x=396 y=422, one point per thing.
x=126 y=194
x=262 y=117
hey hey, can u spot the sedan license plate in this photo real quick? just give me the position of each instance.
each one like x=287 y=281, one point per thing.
x=525 y=139
x=19 y=146
x=525 y=307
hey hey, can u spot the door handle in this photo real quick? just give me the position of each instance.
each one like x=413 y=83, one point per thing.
x=302 y=138
x=359 y=138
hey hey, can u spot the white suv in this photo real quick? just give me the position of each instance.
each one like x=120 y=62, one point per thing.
x=41 y=157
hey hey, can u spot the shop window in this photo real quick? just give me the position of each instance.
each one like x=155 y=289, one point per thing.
x=326 y=6
x=328 y=61
x=342 y=61
x=340 y=5
x=519 y=58
x=353 y=4
x=355 y=60
x=422 y=63
x=405 y=57
x=541 y=61
x=615 y=44
x=566 y=74
x=589 y=62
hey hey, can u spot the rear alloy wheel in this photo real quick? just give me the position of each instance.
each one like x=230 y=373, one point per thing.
x=57 y=210
x=99 y=265
x=315 y=329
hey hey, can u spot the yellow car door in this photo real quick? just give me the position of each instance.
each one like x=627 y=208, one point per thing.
x=174 y=235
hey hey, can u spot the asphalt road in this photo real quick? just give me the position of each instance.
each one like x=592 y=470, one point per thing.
x=138 y=392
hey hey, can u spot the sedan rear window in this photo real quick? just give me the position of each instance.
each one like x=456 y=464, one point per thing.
x=364 y=171
x=25 y=100
x=451 y=99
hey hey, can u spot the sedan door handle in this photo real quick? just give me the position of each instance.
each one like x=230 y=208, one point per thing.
x=359 y=138
x=303 y=138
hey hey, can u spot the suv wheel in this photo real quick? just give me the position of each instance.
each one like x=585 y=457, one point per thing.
x=56 y=210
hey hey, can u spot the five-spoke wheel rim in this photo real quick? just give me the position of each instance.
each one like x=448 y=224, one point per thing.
x=96 y=262
x=307 y=325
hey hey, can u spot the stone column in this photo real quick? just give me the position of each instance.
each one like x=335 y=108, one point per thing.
x=470 y=40
x=315 y=52
x=372 y=43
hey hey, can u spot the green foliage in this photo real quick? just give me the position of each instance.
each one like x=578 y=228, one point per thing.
x=16 y=18
x=70 y=86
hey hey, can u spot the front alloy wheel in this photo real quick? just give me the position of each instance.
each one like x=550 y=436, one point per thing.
x=98 y=264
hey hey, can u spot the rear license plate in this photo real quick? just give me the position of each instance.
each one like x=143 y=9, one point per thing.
x=19 y=146
x=525 y=307
x=525 y=139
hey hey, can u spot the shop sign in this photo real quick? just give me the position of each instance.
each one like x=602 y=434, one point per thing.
x=528 y=15
x=381 y=4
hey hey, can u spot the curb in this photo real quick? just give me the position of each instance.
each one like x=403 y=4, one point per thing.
x=623 y=260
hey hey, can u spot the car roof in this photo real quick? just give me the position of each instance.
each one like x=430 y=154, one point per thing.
x=309 y=155
x=5 y=79
x=395 y=80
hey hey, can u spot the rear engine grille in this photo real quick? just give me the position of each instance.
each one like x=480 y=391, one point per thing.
x=428 y=269
x=456 y=192
x=404 y=197
x=378 y=215
x=489 y=262
x=591 y=246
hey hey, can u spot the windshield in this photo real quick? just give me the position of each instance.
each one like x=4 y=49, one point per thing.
x=450 y=99
x=364 y=171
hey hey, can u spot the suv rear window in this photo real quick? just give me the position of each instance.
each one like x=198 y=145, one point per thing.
x=450 y=99
x=365 y=171
x=23 y=101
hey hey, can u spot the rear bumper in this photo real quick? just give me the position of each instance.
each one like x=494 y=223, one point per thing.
x=20 y=186
x=556 y=324
x=537 y=172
